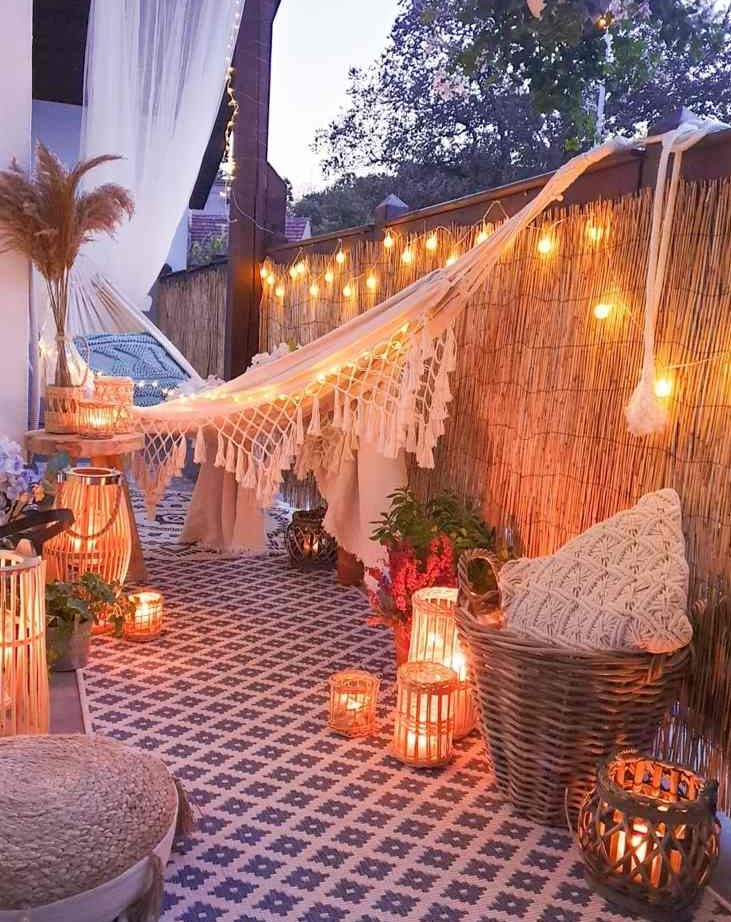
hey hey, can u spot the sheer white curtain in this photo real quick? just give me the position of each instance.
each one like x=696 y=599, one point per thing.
x=155 y=74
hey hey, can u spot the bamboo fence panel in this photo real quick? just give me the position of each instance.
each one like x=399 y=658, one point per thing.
x=537 y=432
x=191 y=312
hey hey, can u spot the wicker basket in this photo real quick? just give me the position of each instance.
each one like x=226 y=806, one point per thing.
x=62 y=409
x=548 y=714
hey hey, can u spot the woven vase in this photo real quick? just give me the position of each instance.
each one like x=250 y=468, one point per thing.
x=62 y=408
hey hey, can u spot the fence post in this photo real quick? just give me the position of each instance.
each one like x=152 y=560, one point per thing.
x=391 y=207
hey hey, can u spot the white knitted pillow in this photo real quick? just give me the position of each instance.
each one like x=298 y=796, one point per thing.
x=623 y=584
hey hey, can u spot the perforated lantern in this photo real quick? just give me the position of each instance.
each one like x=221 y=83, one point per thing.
x=353 y=700
x=99 y=420
x=308 y=544
x=423 y=732
x=649 y=835
x=434 y=639
x=24 y=707
x=116 y=392
x=145 y=622
x=99 y=541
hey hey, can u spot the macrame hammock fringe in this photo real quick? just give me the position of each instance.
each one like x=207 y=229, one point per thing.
x=383 y=377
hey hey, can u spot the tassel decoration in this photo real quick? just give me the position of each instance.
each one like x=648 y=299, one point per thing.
x=300 y=426
x=220 y=452
x=199 y=450
x=314 y=427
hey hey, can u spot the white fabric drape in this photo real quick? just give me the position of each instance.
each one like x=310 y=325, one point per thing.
x=155 y=74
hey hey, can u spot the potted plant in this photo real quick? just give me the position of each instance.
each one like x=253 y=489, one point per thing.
x=47 y=219
x=72 y=609
x=422 y=543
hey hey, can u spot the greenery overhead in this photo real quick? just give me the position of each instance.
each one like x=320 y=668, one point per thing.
x=470 y=94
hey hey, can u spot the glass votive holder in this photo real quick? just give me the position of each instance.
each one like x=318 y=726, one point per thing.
x=353 y=700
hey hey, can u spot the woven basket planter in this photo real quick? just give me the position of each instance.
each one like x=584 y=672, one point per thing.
x=61 y=415
x=549 y=714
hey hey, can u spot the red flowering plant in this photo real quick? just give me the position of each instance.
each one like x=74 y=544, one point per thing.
x=422 y=544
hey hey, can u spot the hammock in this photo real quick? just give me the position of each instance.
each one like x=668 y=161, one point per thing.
x=381 y=379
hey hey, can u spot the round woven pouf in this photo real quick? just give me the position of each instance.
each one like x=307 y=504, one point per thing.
x=87 y=827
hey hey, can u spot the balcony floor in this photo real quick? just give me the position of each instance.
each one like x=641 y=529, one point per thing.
x=296 y=823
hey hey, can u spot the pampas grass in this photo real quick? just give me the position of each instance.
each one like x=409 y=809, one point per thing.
x=47 y=219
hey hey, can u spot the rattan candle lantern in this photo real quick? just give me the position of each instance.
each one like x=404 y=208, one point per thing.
x=24 y=704
x=99 y=541
x=145 y=622
x=434 y=639
x=649 y=835
x=423 y=732
x=98 y=420
x=353 y=700
x=61 y=415
x=112 y=389
x=308 y=544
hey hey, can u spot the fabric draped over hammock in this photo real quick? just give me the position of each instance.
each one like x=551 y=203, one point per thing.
x=382 y=377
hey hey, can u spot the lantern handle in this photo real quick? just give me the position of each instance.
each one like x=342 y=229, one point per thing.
x=102 y=531
x=469 y=597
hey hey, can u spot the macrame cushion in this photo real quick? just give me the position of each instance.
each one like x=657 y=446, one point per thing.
x=77 y=811
x=623 y=584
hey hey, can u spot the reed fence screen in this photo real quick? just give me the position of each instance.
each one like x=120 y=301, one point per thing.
x=537 y=433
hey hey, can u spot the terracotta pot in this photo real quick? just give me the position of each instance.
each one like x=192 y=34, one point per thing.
x=401 y=642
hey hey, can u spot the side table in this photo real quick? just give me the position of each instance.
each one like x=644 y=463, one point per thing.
x=107 y=452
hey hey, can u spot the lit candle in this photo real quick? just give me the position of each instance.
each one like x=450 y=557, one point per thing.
x=353 y=699
x=145 y=623
x=424 y=726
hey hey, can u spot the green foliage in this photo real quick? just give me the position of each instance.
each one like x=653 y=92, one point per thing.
x=207 y=251
x=416 y=523
x=69 y=605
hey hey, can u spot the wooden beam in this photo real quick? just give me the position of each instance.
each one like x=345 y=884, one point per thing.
x=248 y=236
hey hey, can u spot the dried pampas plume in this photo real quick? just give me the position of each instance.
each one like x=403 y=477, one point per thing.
x=46 y=218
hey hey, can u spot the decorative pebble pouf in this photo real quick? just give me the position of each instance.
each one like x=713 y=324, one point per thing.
x=87 y=827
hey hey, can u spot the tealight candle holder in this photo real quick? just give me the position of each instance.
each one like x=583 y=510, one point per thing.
x=308 y=545
x=98 y=420
x=145 y=623
x=423 y=732
x=353 y=700
x=434 y=639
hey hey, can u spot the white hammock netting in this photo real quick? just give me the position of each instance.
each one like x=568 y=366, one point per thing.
x=381 y=378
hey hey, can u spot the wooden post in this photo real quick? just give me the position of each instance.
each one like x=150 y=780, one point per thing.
x=247 y=232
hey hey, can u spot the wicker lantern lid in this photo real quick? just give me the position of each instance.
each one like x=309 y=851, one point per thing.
x=77 y=812
x=90 y=476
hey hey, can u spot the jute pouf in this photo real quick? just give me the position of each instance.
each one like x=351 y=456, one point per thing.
x=76 y=812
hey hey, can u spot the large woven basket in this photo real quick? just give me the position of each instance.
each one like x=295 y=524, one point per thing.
x=548 y=714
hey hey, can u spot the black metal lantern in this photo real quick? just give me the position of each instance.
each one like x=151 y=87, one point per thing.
x=649 y=836
x=308 y=544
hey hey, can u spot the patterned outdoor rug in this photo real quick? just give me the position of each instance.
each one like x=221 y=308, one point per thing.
x=297 y=823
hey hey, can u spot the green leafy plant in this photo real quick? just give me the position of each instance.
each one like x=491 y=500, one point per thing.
x=91 y=599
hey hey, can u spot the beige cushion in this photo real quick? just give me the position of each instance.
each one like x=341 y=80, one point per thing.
x=621 y=584
x=77 y=811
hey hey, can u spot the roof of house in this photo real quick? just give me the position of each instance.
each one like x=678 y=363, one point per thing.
x=297 y=228
x=204 y=225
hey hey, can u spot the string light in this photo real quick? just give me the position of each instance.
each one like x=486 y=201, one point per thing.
x=329 y=276
x=407 y=257
x=431 y=242
x=663 y=387
x=451 y=260
x=264 y=271
x=314 y=289
x=300 y=268
x=279 y=291
x=602 y=310
x=293 y=272
x=594 y=233
x=371 y=282
x=481 y=237
x=546 y=245
x=388 y=241
x=271 y=279
x=340 y=257
x=347 y=291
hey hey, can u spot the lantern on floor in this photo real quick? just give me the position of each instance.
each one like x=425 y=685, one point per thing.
x=353 y=700
x=649 y=835
x=145 y=622
x=98 y=420
x=99 y=541
x=308 y=544
x=434 y=639
x=24 y=704
x=423 y=733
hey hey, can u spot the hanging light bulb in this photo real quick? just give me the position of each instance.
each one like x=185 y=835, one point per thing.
x=371 y=282
x=602 y=310
x=300 y=268
x=546 y=245
x=279 y=291
x=388 y=241
x=293 y=272
x=451 y=260
x=340 y=257
x=314 y=289
x=432 y=242
x=407 y=256
x=264 y=271
x=271 y=278
x=481 y=237
x=594 y=233
x=347 y=291
x=329 y=276
x=663 y=387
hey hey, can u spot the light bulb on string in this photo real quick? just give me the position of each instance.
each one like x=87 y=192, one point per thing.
x=329 y=276
x=300 y=268
x=271 y=279
x=293 y=272
x=388 y=241
x=347 y=290
x=594 y=233
x=264 y=271
x=432 y=242
x=279 y=291
x=314 y=289
x=407 y=257
x=546 y=245
x=451 y=260
x=371 y=282
x=602 y=310
x=481 y=237
x=340 y=257
x=663 y=387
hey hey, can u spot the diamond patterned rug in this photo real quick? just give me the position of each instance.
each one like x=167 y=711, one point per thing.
x=296 y=823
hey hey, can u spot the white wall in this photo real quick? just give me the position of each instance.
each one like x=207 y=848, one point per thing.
x=15 y=121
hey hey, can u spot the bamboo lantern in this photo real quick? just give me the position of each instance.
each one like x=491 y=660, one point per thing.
x=353 y=699
x=98 y=420
x=99 y=541
x=61 y=415
x=24 y=706
x=308 y=544
x=649 y=835
x=145 y=623
x=434 y=639
x=116 y=392
x=424 y=730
